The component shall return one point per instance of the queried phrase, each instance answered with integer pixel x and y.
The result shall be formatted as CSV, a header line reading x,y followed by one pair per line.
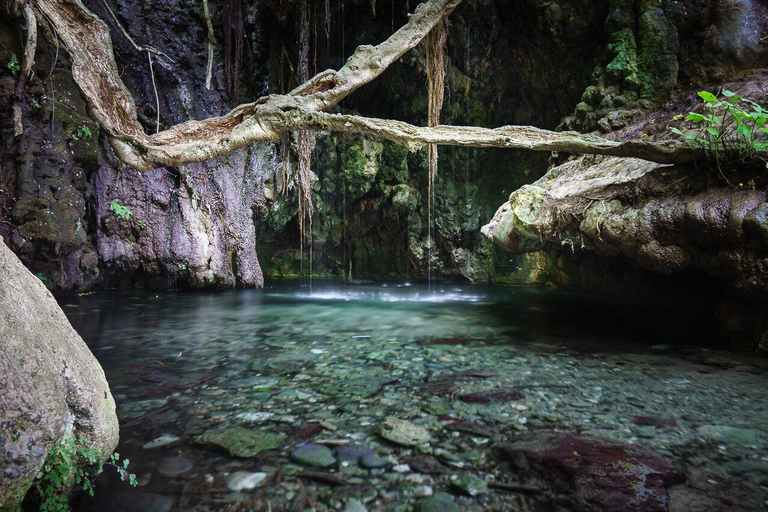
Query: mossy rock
x,y
241,442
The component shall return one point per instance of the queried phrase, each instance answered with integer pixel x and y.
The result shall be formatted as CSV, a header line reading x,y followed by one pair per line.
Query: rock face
x,y
51,386
591,473
76,215
664,219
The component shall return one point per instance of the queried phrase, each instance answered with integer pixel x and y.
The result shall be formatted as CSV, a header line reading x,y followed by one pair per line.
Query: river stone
x,y
163,440
403,432
469,484
241,442
440,502
51,385
373,461
244,480
174,466
729,435
593,473
313,455
355,506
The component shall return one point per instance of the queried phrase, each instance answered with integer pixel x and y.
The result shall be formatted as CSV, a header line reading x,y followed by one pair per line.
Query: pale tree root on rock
x,y
88,42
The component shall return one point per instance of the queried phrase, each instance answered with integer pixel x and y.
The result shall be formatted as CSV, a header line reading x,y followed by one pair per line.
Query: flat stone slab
x,y
241,442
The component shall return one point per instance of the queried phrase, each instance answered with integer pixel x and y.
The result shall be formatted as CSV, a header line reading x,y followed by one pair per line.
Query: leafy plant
x,y
120,210
82,132
61,468
732,127
47,282
13,65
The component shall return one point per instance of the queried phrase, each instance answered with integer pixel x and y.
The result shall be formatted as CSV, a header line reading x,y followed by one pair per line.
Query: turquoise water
x,y
329,364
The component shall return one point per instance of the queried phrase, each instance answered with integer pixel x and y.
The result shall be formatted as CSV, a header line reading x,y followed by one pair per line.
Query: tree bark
x,y
87,39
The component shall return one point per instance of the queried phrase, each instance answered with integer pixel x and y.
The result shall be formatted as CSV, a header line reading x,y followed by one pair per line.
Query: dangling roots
x,y
436,41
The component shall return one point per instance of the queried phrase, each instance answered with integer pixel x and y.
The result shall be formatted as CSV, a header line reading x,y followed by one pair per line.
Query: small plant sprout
x,y
13,65
120,210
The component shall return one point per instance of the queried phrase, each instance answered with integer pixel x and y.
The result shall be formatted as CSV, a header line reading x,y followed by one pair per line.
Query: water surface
x,y
332,362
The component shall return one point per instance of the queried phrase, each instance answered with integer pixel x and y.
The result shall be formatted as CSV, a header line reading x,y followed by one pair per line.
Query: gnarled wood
x,y
94,69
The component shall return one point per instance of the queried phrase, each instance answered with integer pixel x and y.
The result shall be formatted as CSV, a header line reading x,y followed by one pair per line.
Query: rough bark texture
x,y
51,386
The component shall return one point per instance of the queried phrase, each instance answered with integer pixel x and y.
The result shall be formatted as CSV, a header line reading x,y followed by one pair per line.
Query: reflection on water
x,y
331,363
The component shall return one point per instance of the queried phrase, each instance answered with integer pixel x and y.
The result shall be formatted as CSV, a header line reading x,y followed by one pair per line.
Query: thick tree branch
x,y
94,69
510,137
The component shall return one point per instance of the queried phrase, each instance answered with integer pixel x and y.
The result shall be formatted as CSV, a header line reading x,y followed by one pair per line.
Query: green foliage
x,y
64,466
13,65
83,132
47,282
734,127
120,210
182,266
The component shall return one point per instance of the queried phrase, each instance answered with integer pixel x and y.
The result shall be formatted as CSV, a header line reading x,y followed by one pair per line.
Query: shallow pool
x,y
389,396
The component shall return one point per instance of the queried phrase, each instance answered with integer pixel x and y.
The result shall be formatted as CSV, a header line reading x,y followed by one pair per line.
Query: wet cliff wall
x,y
80,219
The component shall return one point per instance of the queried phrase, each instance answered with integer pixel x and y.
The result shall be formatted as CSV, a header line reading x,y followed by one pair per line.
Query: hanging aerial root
x,y
211,44
436,42
27,61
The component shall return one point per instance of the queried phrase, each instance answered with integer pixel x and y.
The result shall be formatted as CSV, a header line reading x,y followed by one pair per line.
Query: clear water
x,y
331,363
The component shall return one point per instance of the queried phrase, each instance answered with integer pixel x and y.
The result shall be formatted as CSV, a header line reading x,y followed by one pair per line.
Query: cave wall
x,y
80,219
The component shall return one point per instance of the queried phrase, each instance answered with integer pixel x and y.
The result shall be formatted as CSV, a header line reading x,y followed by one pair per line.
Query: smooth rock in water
x,y
423,491
403,432
244,480
592,473
440,502
729,435
373,461
51,385
437,407
492,395
469,484
174,466
241,442
315,455
350,453
355,506
161,441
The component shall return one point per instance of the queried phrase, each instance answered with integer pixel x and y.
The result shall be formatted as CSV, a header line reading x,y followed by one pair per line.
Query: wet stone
x,y
373,461
350,453
440,502
244,480
729,435
174,466
163,440
469,484
241,442
354,505
315,455
403,432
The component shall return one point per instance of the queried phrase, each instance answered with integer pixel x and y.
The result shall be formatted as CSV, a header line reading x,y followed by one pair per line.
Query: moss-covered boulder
x,y
51,386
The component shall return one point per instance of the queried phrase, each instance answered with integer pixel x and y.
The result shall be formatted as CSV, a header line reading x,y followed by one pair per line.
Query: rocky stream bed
x,y
394,397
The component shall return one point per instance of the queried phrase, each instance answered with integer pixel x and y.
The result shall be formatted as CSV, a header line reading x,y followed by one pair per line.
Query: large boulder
x,y
662,219
51,385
